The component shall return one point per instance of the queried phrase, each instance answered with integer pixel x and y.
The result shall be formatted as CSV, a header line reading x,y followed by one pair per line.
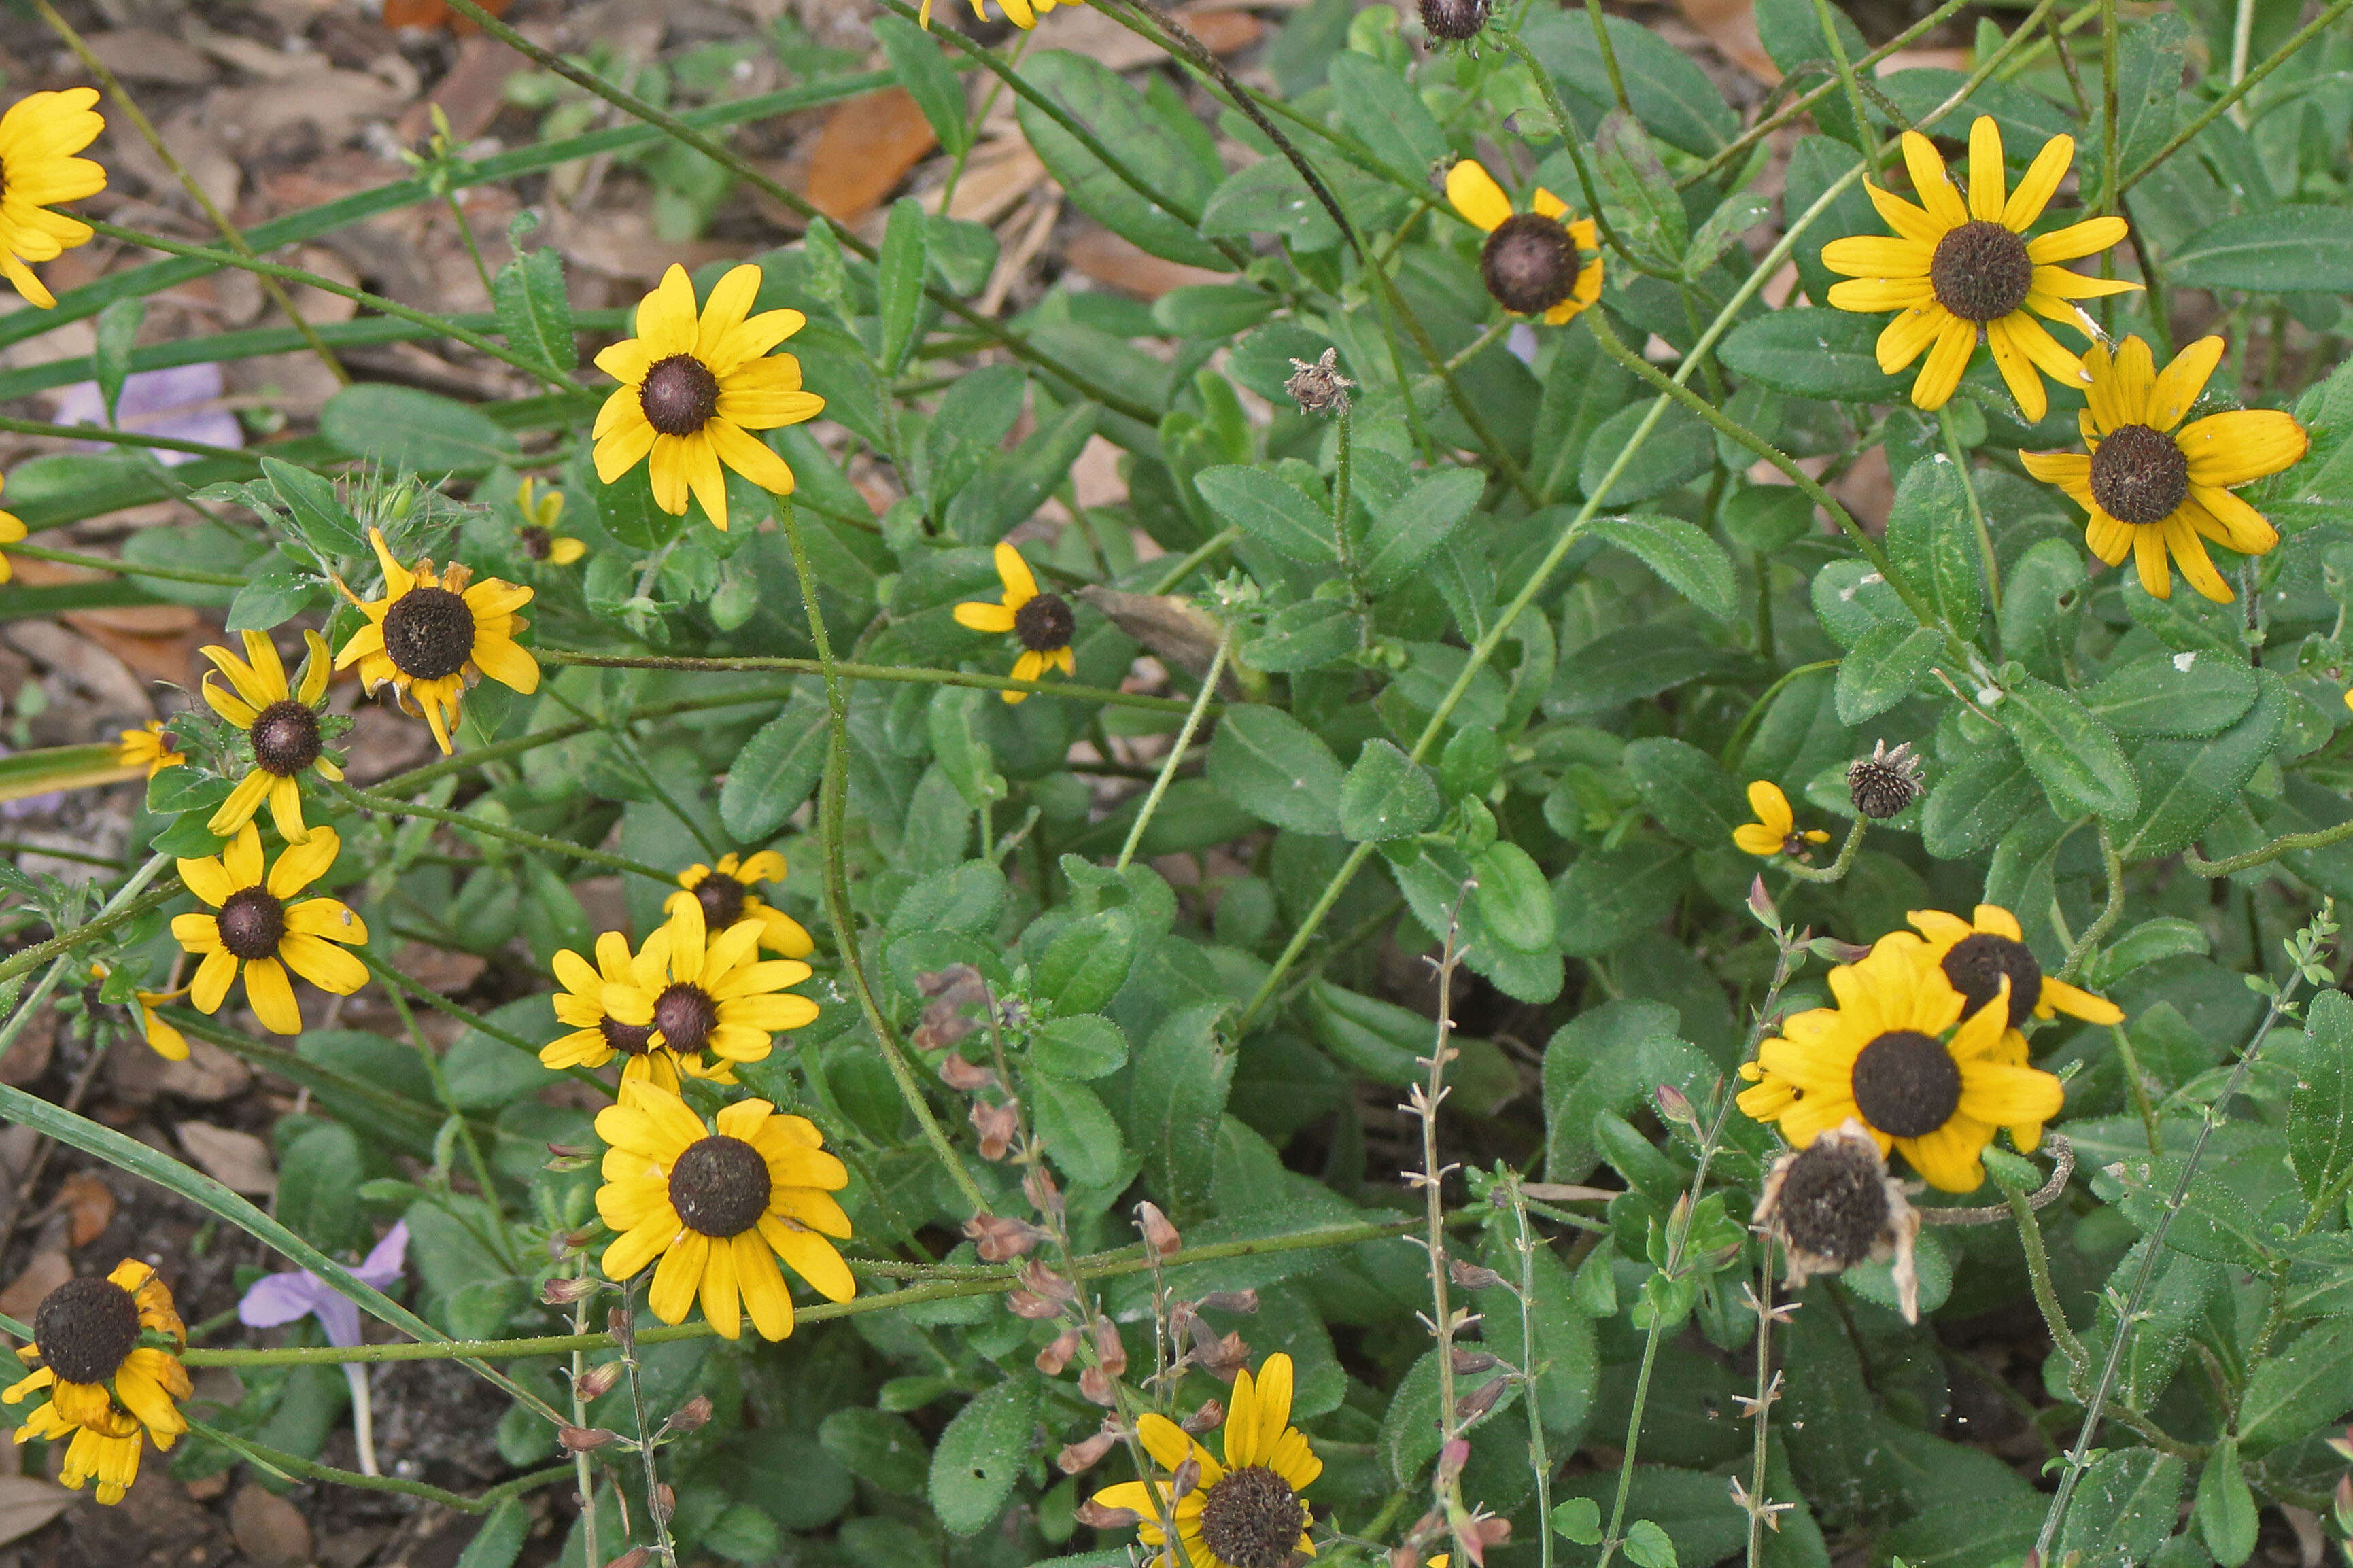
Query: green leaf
x,y
1667,92
2298,1388
1933,544
1811,351
322,519
1685,789
1269,197
318,1184
899,281
2074,755
878,1446
401,427
2124,1509
2188,694
1579,1521
1009,487
1384,113
1610,894
1379,1039
2281,250
1078,1134
1212,310
1679,449
117,330
1276,769
1978,800
271,599
1084,1046
1308,635
982,1453
774,770
952,721
499,1541
1095,96
2186,785
1418,523
921,66
1886,667
2320,1109
1087,963
1269,510
2226,1508
1512,898
533,309
1686,556
1175,1094
1386,795
1648,1545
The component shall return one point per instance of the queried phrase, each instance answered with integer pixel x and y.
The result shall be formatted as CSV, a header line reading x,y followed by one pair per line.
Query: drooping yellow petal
x,y
1940,373
1476,195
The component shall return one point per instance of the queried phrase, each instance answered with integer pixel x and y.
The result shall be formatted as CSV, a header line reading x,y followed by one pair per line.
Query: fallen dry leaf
x,y
865,149
268,1530
88,1204
27,1504
1114,263
237,1160
435,13
1731,26
45,1273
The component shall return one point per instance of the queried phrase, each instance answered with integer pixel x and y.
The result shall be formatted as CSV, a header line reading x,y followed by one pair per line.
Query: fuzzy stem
x,y
1176,753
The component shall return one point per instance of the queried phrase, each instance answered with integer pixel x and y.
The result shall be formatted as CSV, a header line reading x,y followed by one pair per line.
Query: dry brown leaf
x,y
1731,26
27,1504
268,1530
471,95
88,1204
435,13
1114,262
237,1160
45,1273
865,149
27,1055
141,53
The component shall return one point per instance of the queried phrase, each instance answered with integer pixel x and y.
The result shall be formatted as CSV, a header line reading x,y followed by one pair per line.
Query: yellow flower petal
x,y
2040,182
2246,444
1476,195
1986,194
2179,384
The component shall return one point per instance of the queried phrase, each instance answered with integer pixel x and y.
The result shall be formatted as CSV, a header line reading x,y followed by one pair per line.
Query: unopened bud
x,y
1760,906
1110,1350
1084,1454
1210,1416
1058,1352
695,1413
1229,1302
1675,1105
1470,1363
1451,1457
1185,1477
1471,1276
567,1157
1831,951
564,1293
998,1125
1096,1388
597,1381
1481,1400
962,1076
663,1503
585,1439
1159,1236
1000,1240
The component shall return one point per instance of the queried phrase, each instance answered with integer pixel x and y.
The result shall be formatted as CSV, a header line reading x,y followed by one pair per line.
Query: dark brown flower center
x,y
685,1016
252,923
1252,1518
428,633
1833,1201
1044,623
1796,846
2140,475
1907,1084
1980,271
679,395
1453,21
1881,789
537,542
1529,263
721,897
84,1328
627,1039
719,1186
1976,967
285,737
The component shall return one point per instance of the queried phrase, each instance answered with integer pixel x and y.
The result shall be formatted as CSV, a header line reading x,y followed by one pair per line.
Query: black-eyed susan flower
x,y
281,725
2152,489
586,1006
1832,1205
1889,1055
1022,14
693,390
724,891
1245,1510
258,932
1954,271
107,1351
38,138
1042,622
431,635
1775,831
1534,263
12,527
147,747
707,992
541,515
719,1205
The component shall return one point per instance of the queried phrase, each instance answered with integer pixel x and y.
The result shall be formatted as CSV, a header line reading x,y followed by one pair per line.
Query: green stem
x,y
2286,843
127,568
833,799
111,919
122,439
1185,568
1176,753
862,672
293,1466
1845,67
2278,58
1992,564
382,806
2046,1296
1574,140
2110,912
1836,871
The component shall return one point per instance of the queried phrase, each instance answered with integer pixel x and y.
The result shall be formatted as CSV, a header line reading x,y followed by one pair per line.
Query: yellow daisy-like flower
x,y
1043,622
1775,831
1954,269
1533,263
693,389
105,1386
724,892
719,1205
1245,1511
1022,14
280,723
1884,1056
146,747
701,993
12,527
540,515
38,138
2153,489
258,932
586,1006
430,636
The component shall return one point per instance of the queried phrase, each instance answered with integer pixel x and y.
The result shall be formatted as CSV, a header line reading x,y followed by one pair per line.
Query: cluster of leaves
x,y
1515,623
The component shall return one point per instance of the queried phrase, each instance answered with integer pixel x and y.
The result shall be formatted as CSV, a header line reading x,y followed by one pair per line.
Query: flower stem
x,y
859,672
293,1466
378,804
1175,752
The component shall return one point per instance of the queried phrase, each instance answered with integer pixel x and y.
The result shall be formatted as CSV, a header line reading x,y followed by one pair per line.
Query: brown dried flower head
x,y
1833,1205
1319,388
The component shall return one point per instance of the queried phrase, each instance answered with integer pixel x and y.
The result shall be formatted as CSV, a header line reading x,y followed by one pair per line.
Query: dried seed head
x,y
999,1240
1470,1363
1252,1518
1208,1418
998,1125
1885,781
1454,21
962,1076
1058,1352
635,1557
1086,1453
1833,1205
84,1328
585,1439
1229,1301
1482,1399
1320,388
1111,1351
689,1416
1096,1388
1471,1276
1095,1514
1159,1236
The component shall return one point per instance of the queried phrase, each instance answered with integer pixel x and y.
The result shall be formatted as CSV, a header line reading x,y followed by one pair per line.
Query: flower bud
x,y
1158,1234
687,1418
1057,1353
585,1439
598,1380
